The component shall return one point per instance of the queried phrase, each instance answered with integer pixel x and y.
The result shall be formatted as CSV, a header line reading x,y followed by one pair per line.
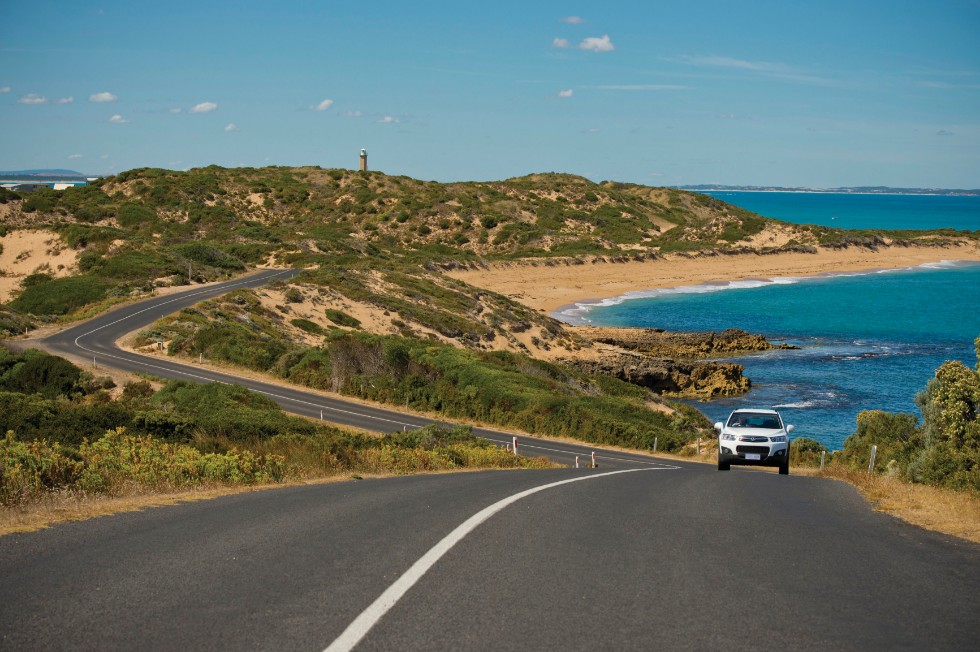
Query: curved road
x,y
627,556
95,341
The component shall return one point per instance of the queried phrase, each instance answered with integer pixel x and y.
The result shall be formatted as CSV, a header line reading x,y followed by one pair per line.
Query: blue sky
x,y
766,93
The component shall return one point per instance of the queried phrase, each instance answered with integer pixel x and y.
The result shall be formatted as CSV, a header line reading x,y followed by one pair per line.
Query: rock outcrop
x,y
659,343
702,380
670,364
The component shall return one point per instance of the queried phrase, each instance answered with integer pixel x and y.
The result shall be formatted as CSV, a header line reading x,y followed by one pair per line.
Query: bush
x,y
806,452
36,372
60,296
341,318
135,215
308,326
944,451
210,255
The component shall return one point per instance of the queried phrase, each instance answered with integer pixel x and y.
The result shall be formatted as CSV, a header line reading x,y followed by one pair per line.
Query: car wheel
x,y
724,466
784,469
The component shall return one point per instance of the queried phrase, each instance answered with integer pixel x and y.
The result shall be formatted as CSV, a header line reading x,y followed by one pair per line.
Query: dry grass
x,y
956,513
58,508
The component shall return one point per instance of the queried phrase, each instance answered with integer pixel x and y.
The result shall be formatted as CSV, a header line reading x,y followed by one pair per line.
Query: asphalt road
x,y
665,558
637,554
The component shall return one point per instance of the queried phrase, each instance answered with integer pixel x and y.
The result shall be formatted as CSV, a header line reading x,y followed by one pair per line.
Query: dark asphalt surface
x,y
678,556
681,558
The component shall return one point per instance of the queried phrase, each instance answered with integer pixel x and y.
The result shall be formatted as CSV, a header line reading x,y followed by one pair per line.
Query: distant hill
x,y
856,190
35,174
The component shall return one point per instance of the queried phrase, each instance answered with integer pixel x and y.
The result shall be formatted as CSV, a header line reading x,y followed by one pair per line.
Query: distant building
x,y
363,160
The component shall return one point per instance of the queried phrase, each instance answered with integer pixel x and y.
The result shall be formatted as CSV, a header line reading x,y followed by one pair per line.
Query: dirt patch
x,y
32,251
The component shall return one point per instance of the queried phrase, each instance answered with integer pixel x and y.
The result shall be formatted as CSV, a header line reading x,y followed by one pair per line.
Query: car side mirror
x,y
789,429
719,426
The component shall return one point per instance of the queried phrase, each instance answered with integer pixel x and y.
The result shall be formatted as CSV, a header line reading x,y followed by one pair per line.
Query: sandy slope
x,y
28,251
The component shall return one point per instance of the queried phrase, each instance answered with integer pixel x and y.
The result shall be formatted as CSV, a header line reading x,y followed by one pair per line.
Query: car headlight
x,y
778,439
727,436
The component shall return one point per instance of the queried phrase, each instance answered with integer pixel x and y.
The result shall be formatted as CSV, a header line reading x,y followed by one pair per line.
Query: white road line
x,y
361,625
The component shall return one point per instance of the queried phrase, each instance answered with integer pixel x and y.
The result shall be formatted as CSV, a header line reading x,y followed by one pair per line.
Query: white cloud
x,y
323,106
65,100
74,156
102,97
388,120
4,89
573,20
33,98
597,44
352,114
231,127
561,43
118,120
565,93
204,107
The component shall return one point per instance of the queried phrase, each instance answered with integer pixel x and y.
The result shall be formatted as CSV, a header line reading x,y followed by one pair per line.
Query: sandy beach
x,y
550,288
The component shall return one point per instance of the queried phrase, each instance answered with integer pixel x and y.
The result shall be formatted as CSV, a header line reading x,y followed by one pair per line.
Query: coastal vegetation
x,y
377,314
944,450
500,388
65,433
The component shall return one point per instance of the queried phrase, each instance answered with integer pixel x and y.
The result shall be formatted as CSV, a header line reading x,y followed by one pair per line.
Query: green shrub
x,y
341,318
208,254
944,451
806,452
60,296
309,326
36,372
135,215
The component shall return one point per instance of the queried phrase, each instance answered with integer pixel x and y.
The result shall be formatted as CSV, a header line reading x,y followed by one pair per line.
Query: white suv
x,y
754,436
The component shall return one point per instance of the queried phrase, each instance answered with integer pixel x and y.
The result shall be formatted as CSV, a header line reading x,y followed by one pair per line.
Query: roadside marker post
x,y
823,457
515,446
593,459
576,461
655,444
699,445
871,464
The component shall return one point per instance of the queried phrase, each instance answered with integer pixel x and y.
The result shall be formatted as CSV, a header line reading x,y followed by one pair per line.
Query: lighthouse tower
x,y
363,160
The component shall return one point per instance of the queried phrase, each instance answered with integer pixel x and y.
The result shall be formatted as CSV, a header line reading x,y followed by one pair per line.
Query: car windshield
x,y
754,420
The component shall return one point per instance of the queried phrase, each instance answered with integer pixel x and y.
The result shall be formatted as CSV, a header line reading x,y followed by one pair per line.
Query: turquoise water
x,y
849,211
867,341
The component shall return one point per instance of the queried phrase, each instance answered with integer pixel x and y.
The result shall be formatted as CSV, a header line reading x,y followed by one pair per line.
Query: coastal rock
x,y
701,380
659,343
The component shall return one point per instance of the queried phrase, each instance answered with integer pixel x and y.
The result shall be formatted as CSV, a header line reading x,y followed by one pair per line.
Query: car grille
x,y
753,438
760,450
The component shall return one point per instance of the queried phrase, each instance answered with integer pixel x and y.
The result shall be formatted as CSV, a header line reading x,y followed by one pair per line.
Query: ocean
x,y
866,340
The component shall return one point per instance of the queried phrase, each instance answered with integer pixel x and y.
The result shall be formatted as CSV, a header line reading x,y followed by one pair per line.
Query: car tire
x,y
724,466
784,469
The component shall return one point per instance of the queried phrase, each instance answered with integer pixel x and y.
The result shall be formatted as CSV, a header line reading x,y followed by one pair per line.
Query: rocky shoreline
x,y
668,363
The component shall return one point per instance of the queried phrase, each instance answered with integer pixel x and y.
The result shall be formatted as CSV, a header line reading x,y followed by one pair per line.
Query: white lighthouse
x,y
363,160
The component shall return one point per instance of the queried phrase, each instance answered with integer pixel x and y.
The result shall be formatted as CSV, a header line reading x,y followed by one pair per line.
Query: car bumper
x,y
753,454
